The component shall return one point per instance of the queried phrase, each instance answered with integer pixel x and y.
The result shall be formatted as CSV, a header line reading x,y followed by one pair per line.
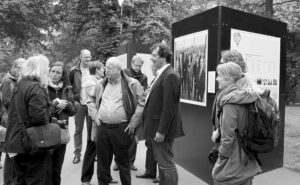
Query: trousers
x,y
112,140
82,113
163,154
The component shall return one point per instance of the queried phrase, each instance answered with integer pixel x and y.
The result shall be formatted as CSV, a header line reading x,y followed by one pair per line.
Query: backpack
x,y
262,132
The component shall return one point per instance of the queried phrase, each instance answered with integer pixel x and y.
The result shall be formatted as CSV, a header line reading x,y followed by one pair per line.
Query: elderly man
x,y
135,72
161,117
118,102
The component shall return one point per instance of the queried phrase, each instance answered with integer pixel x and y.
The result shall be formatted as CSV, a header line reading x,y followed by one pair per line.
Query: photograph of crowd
x,y
190,61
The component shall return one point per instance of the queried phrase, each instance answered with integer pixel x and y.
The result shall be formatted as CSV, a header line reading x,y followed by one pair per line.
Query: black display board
x,y
191,150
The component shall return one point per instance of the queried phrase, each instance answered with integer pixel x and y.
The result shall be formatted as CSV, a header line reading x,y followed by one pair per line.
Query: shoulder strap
x,y
17,110
251,155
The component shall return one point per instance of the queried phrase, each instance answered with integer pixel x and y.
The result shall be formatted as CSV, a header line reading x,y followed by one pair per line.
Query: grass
x,y
292,138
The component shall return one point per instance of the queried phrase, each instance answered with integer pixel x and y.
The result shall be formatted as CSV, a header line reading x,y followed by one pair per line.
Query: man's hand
x,y
159,137
136,138
97,122
130,128
215,135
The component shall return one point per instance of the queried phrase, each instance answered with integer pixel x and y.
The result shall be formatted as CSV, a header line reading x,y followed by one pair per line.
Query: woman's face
x,y
100,72
56,74
223,81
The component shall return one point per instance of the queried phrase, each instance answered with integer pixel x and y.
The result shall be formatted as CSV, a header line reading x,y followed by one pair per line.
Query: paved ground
x,y
71,173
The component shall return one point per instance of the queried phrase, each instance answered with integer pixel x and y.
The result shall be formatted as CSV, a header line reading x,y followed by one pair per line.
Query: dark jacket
x,y
8,84
139,76
34,108
65,93
75,81
162,113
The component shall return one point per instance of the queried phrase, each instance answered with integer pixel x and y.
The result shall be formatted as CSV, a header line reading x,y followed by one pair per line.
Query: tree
x,y
27,21
26,28
89,24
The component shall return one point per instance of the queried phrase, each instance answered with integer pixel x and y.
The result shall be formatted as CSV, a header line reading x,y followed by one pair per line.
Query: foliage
x,y
61,28
89,24
26,27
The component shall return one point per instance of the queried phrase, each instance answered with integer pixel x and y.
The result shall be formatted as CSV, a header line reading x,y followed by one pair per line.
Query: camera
x,y
62,123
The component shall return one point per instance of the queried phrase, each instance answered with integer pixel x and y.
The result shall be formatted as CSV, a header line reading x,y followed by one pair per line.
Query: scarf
x,y
136,75
54,86
221,99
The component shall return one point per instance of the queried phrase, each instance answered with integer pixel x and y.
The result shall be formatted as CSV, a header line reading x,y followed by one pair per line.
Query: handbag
x,y
64,129
40,137
45,136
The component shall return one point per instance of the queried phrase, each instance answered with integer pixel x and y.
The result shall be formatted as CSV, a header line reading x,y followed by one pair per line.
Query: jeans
x,y
163,154
82,112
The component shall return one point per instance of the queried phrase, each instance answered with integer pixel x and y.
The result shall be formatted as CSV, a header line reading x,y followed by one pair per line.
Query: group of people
x,y
119,109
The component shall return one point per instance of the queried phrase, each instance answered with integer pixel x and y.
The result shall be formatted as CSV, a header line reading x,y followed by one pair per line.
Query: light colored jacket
x,y
236,168
94,93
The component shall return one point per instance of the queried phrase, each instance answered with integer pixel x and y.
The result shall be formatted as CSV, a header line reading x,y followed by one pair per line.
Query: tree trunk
x,y
269,9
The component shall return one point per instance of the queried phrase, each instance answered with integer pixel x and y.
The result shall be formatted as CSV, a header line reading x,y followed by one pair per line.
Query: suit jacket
x,y
162,113
201,84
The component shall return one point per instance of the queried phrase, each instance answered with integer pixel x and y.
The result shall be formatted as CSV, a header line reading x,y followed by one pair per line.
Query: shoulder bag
x,y
40,137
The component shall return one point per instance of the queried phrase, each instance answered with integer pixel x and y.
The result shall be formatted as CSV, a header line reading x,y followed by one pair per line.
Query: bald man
x,y
119,102
135,72
78,74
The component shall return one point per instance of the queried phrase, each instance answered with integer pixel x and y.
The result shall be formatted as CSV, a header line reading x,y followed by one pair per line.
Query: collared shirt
x,y
159,72
112,110
86,77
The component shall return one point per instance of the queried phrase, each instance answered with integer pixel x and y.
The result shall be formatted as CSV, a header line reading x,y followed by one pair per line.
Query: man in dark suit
x,y
201,81
161,116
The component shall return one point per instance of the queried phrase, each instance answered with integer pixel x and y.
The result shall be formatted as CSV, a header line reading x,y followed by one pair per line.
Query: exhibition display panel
x,y
197,45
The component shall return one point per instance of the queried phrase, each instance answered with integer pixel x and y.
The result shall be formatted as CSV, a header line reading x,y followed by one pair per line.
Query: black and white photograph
x,y
190,61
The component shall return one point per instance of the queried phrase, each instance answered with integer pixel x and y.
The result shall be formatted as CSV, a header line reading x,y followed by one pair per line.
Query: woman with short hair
x,y
233,166
30,102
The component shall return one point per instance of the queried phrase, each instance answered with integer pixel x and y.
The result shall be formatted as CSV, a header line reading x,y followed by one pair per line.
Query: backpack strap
x,y
251,155
266,93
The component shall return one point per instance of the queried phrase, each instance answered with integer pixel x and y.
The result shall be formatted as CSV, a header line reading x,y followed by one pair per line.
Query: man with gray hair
x,y
135,72
119,103
8,84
